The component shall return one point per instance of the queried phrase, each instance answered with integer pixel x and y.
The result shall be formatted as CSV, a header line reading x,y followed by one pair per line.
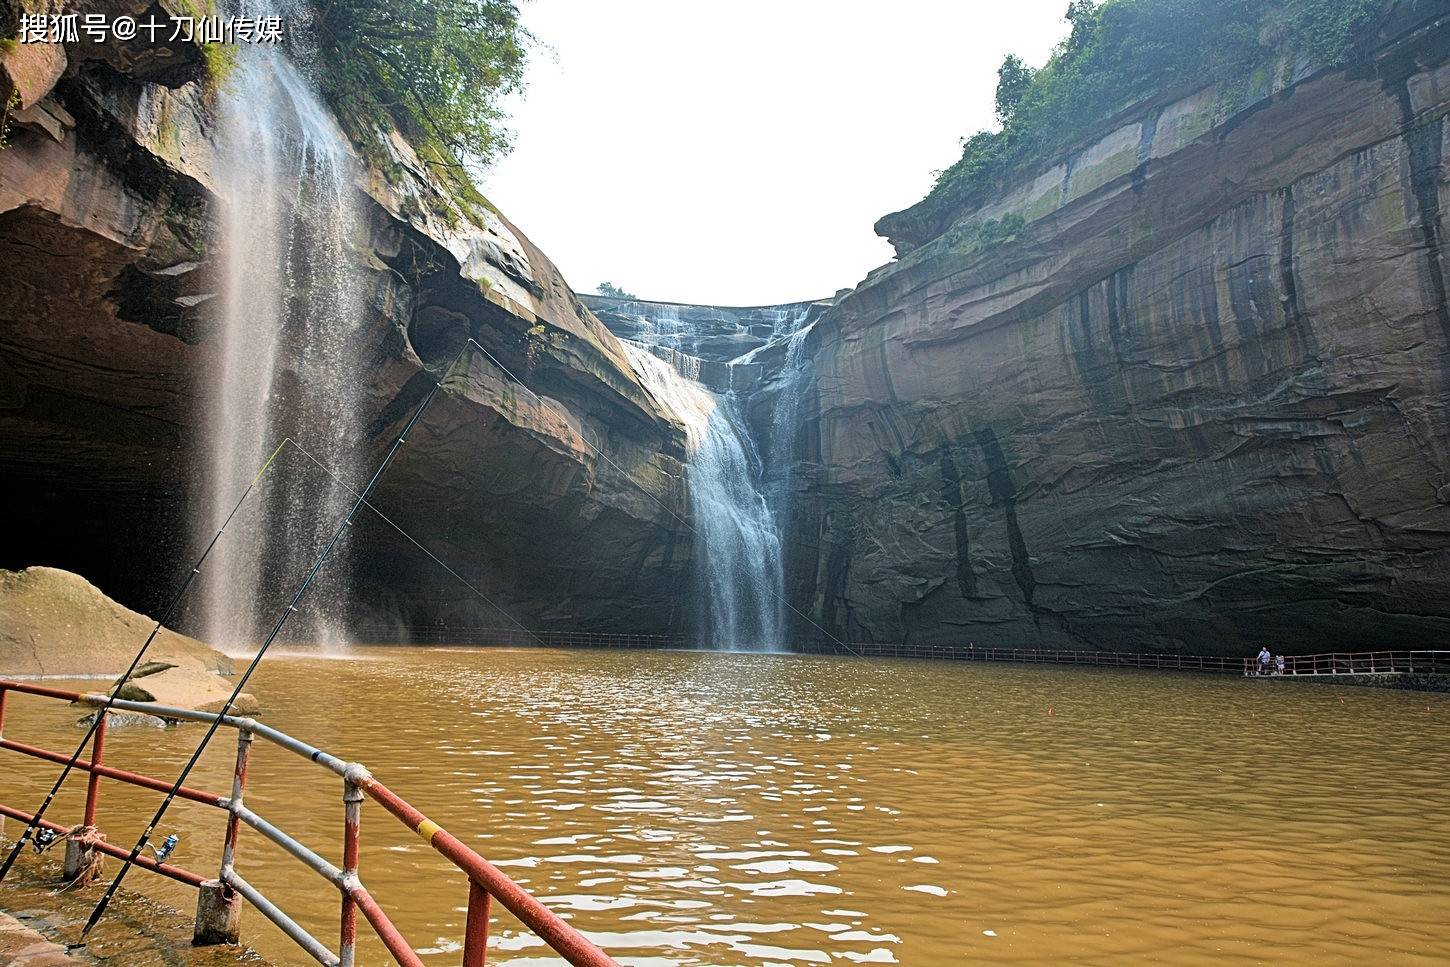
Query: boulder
x,y
55,624
187,685
124,720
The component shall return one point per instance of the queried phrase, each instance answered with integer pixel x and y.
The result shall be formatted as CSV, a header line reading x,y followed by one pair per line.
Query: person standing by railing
x,y
1278,664
1264,658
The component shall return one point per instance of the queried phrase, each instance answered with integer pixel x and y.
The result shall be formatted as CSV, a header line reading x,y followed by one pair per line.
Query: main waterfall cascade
x,y
739,547
288,353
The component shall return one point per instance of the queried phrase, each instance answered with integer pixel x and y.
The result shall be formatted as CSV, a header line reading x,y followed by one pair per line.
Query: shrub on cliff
x,y
434,68
1117,53
614,291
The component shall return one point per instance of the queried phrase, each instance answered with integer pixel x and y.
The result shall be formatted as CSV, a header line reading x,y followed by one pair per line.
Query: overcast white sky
x,y
738,153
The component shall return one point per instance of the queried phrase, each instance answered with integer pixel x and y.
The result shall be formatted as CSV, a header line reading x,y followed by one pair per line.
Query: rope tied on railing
x,y
86,837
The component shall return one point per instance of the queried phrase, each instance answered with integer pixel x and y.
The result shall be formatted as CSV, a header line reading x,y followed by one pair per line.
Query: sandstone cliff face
x,y
1198,401
107,341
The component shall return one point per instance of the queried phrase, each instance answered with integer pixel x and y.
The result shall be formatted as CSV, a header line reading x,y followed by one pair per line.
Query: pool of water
x,y
699,808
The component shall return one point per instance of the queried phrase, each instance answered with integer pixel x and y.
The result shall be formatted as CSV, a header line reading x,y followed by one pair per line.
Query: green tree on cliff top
x,y
434,68
614,291
1121,51
1013,80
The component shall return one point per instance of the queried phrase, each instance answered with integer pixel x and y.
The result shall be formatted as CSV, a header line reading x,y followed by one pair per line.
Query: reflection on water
x,y
695,808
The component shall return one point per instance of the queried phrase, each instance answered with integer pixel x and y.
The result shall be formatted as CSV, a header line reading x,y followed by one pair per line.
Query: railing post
x,y
352,819
475,930
218,907
93,786
4,693
239,788
79,855
218,915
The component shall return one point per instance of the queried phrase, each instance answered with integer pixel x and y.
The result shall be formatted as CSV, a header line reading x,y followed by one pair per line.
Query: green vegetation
x,y
12,104
1014,80
980,235
609,289
434,69
1119,52
221,60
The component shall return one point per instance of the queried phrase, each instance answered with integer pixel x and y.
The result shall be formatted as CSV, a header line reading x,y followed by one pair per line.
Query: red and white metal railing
x,y
486,881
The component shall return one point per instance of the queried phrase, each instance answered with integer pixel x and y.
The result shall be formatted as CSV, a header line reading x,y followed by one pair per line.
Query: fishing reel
x,y
167,847
43,839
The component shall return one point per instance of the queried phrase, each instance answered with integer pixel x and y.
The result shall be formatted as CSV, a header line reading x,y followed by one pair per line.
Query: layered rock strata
x,y
1197,402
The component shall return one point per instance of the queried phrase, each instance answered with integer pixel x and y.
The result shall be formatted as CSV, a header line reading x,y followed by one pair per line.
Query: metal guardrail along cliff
x,y
219,899
1424,661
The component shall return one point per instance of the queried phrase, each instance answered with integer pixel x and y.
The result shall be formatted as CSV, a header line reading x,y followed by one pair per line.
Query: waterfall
x,y
784,432
737,545
288,349
661,327
785,419
787,320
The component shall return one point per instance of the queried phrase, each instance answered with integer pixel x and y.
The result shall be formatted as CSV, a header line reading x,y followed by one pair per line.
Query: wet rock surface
x,y
1198,405
715,334
24,946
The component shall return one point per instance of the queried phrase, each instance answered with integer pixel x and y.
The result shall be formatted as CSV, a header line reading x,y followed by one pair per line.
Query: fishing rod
x,y
436,559
34,822
287,612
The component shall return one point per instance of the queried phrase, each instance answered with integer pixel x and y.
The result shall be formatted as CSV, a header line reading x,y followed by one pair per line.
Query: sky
x,y
738,153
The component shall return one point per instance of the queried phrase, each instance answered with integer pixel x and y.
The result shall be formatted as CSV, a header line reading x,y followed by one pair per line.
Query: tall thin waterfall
x,y
784,433
737,546
289,348
785,419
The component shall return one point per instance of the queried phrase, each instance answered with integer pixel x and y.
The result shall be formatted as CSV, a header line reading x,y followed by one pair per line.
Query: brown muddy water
x,y
699,808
